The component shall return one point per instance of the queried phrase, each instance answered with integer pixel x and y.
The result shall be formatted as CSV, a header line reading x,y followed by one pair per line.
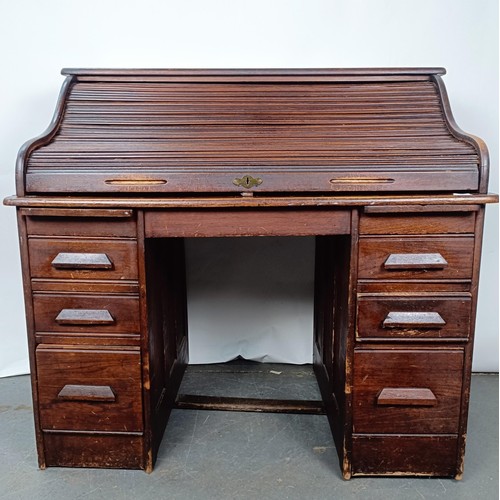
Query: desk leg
x,y
165,343
335,276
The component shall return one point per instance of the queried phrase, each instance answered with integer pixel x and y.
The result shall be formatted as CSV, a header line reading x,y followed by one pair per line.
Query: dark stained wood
x,y
164,318
120,369
83,286
76,449
30,330
407,203
78,212
437,370
413,317
81,224
462,433
44,138
416,258
89,338
192,402
121,254
246,223
415,223
197,131
82,313
404,455
419,209
258,74
370,161
414,287
477,142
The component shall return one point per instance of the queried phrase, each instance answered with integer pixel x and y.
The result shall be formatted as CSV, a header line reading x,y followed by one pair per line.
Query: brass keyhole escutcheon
x,y
247,181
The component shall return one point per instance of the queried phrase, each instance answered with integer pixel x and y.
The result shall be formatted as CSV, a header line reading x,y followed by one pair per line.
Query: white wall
x,y
38,38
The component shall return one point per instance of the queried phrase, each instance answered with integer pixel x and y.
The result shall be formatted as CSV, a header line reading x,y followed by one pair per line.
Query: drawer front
x,y
89,390
86,313
413,317
108,227
406,224
83,259
400,455
407,391
416,258
122,451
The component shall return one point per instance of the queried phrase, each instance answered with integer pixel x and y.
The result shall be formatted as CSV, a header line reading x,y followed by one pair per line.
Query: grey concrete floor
x,y
226,455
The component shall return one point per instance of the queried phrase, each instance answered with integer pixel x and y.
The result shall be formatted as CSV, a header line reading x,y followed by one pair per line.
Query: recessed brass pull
x,y
247,181
362,180
135,182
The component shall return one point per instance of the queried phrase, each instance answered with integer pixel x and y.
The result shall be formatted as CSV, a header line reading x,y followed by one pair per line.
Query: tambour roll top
x,y
260,131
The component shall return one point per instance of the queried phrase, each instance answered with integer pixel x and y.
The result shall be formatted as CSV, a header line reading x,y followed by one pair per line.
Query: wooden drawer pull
x,y
413,320
84,317
82,261
406,396
102,393
401,261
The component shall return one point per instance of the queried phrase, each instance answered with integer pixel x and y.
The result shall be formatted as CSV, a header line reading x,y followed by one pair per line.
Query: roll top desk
x,y
369,161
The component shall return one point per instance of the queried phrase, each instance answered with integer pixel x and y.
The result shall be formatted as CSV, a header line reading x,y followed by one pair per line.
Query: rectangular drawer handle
x,y
412,319
406,396
401,261
84,317
82,261
102,393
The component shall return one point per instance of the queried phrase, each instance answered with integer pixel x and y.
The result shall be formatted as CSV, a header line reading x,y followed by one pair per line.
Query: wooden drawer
x,y
89,389
81,222
413,317
405,455
86,313
408,223
416,258
415,391
122,451
83,259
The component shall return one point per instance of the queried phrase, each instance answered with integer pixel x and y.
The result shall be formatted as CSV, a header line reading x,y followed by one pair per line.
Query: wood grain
x,y
370,161
416,223
194,402
194,131
437,370
119,369
85,314
203,223
404,455
456,251
122,255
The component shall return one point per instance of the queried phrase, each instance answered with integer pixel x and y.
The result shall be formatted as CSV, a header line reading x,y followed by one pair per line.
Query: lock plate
x,y
247,181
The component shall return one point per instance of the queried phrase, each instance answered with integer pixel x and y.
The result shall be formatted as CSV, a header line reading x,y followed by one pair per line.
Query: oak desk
x,y
370,162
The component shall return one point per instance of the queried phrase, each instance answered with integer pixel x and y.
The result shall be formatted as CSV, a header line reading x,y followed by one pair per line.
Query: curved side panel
x,y
44,138
478,143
